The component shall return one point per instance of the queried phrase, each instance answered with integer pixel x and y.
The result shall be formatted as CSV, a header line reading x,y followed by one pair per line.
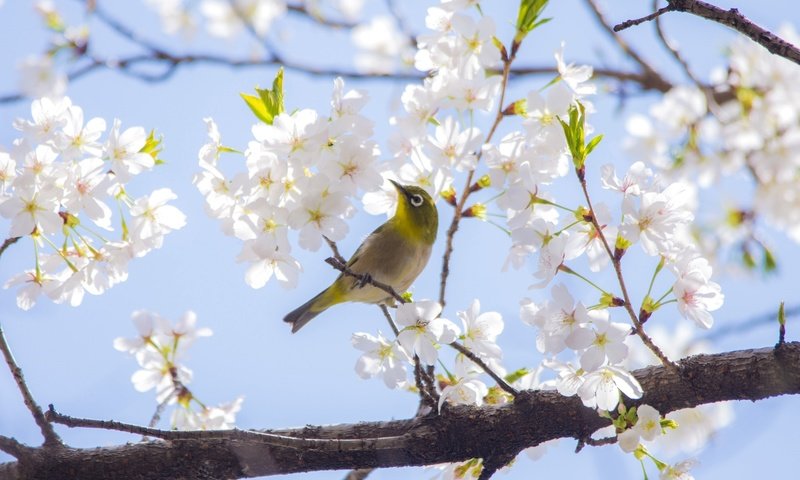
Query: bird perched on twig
x,y
394,254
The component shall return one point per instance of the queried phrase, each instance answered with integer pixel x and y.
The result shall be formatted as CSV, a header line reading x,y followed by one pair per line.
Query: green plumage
x,y
394,254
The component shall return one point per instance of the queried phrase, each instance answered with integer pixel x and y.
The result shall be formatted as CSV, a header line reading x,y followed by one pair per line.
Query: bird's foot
x,y
365,279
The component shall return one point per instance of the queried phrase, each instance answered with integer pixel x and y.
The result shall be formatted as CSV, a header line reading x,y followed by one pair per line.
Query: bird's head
x,y
416,216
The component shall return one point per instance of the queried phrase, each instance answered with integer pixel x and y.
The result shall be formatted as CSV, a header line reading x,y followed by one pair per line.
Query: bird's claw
x,y
364,280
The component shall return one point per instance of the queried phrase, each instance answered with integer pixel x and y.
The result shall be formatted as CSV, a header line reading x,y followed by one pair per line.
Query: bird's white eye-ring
x,y
416,200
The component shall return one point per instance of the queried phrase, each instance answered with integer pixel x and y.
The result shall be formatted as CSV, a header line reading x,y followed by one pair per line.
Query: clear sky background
x,y
308,378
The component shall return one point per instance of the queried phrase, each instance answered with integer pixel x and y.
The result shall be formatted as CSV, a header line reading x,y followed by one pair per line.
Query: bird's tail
x,y
307,311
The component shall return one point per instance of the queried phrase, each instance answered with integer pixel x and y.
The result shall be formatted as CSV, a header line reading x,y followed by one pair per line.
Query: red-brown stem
x,y
457,214
628,306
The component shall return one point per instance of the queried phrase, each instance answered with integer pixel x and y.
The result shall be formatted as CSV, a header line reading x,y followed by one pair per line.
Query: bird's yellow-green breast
x,y
394,254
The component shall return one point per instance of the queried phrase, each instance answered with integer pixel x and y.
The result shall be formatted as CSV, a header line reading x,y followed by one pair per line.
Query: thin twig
x,y
7,243
748,325
159,411
476,359
51,438
251,29
359,474
623,45
426,398
329,444
675,53
391,5
172,62
636,21
582,442
335,250
459,208
730,18
364,278
628,305
389,319
302,10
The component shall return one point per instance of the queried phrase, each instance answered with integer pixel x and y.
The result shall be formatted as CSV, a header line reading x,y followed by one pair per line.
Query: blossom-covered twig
x,y
459,207
50,436
617,263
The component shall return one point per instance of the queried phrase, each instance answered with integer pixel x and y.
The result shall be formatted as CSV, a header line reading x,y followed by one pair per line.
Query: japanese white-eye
x,y
394,254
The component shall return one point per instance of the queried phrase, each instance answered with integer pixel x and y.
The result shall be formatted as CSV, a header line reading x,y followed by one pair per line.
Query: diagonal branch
x,y
51,438
459,434
478,361
730,18
623,45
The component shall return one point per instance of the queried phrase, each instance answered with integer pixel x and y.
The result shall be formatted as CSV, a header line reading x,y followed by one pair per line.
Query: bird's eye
x,y
416,200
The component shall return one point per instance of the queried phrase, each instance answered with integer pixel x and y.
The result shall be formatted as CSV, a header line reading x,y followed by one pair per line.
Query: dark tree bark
x,y
496,434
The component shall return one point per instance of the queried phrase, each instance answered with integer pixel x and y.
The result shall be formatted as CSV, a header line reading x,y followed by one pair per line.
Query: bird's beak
x,y
400,188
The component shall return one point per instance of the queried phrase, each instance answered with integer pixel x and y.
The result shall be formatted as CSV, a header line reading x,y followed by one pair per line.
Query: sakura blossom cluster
x,y
422,331
60,183
160,349
746,128
302,172
459,49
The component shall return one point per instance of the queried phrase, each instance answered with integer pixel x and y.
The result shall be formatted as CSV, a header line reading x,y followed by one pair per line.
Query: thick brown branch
x,y
460,433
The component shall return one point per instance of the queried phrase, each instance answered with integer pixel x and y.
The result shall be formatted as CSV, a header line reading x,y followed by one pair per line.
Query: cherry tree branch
x,y
674,52
50,436
623,45
7,243
13,448
302,9
459,434
366,278
459,207
478,361
730,18
358,474
617,263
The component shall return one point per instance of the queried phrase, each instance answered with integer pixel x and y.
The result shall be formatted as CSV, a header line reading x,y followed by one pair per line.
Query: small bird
x,y
394,254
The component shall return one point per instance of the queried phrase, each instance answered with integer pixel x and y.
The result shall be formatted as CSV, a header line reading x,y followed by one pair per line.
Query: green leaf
x,y
593,143
152,147
257,106
224,149
516,375
770,264
269,103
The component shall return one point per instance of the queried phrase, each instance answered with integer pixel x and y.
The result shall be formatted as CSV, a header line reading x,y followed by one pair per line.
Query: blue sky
x,y
308,378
